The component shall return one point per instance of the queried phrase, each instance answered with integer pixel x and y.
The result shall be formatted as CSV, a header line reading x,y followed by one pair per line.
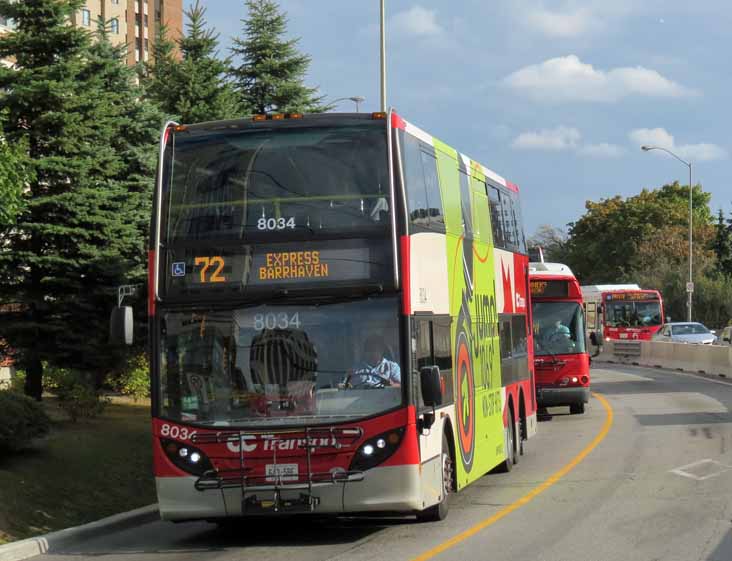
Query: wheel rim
x,y
446,475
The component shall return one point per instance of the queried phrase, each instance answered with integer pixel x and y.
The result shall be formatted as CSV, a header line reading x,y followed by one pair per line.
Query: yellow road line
x,y
536,491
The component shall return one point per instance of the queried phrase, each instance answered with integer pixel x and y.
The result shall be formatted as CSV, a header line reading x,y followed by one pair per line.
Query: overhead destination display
x,y
297,264
631,296
549,288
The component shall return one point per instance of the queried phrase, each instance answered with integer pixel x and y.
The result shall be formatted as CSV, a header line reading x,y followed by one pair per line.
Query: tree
x,y
603,243
195,88
75,106
13,180
157,74
722,245
552,242
271,75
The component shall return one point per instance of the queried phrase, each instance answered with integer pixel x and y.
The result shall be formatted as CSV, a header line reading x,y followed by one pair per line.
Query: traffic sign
x,y
689,287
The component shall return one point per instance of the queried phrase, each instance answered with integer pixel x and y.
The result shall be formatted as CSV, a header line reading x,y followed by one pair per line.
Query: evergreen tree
x,y
158,72
197,87
13,181
272,71
75,106
722,245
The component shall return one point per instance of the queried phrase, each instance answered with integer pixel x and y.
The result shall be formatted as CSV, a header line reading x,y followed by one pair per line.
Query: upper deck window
x,y
264,183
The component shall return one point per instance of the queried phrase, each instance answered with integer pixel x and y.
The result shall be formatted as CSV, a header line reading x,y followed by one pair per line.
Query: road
x,y
657,487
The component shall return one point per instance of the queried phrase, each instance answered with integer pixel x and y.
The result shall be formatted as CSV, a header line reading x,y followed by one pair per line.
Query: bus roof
x,y
597,289
550,270
399,122
334,119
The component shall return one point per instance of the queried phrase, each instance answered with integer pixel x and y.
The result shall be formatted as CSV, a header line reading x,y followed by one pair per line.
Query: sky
x,y
556,96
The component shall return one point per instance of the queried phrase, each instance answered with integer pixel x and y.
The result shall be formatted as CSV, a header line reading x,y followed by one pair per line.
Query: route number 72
x,y
216,263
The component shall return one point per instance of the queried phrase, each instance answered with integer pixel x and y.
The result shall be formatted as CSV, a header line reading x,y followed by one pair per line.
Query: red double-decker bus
x,y
339,319
623,312
561,360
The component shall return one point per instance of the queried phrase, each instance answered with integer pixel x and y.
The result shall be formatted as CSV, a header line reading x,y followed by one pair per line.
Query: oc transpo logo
x,y
466,402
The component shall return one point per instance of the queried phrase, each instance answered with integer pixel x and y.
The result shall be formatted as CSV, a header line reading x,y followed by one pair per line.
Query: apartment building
x,y
132,22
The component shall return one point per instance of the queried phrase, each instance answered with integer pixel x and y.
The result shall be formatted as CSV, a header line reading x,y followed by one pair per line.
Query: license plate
x,y
281,472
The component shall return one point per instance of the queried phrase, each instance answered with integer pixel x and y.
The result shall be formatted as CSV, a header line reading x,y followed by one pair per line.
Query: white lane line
x,y
620,366
706,469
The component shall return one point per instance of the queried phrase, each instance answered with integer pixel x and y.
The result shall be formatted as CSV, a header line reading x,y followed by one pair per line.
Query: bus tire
x,y
577,409
510,437
439,511
520,442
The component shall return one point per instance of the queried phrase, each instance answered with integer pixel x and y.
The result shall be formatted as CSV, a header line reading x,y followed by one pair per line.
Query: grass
x,y
82,472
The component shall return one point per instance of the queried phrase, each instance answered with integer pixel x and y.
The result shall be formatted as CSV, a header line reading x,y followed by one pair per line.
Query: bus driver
x,y
374,370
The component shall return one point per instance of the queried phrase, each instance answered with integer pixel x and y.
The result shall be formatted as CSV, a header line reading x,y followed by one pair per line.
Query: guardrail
x,y
706,359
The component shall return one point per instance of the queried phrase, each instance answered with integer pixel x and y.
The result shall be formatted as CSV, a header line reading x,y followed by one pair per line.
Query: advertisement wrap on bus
x,y
623,312
338,319
561,358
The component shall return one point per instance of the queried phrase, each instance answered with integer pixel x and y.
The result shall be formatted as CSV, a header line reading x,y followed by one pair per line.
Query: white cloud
x,y
570,18
569,79
602,150
557,139
563,138
560,24
702,152
416,21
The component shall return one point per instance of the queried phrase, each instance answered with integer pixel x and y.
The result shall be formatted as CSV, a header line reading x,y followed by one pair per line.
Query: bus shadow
x,y
544,415
202,537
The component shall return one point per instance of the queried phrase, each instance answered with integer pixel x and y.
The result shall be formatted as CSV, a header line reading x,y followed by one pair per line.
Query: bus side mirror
x,y
121,326
429,377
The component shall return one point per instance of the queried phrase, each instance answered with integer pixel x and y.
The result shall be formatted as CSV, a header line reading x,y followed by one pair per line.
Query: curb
x,y
24,549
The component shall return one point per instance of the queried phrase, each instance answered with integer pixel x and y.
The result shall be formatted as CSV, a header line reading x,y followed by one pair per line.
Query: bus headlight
x,y
377,450
188,458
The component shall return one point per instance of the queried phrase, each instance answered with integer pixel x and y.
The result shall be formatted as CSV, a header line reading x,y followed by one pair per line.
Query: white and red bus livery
x,y
338,318
623,311
561,360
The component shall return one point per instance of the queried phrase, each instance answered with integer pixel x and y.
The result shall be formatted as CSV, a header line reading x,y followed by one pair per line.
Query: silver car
x,y
685,332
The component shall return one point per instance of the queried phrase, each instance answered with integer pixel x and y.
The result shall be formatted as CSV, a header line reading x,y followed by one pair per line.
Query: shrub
x,y
79,399
21,420
135,378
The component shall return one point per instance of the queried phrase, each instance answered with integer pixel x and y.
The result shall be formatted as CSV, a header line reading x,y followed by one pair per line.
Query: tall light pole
x,y
383,56
357,99
690,284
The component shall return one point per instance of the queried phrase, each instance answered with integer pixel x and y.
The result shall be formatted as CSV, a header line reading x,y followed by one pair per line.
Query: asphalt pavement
x,y
647,478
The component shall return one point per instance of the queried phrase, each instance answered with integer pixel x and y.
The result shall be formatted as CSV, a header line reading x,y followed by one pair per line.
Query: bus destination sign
x,y
549,288
631,296
276,265
287,265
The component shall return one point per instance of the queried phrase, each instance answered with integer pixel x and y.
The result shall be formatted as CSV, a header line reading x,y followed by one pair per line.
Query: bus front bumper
x,y
383,489
553,396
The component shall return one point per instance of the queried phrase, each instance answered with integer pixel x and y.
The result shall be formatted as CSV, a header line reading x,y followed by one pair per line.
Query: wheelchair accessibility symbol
x,y
179,269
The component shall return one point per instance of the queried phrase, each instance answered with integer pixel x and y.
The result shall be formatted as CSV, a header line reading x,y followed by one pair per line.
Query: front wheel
x,y
439,511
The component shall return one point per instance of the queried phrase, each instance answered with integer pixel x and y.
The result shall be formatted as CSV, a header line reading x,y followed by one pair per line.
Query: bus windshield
x,y
632,314
281,364
270,183
558,328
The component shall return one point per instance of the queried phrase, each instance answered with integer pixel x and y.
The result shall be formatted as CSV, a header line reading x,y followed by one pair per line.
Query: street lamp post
x,y
383,56
357,99
690,285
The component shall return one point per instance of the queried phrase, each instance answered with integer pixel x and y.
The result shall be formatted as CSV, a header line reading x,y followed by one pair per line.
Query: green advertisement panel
x,y
479,440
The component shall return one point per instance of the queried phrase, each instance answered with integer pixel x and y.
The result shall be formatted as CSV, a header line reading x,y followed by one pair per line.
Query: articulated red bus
x,y
561,360
338,317
623,312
